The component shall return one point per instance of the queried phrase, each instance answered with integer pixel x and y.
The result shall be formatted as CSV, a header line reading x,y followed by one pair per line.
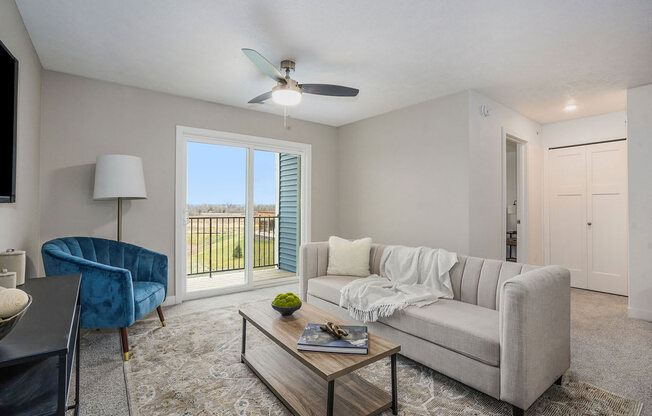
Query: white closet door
x,y
567,212
607,217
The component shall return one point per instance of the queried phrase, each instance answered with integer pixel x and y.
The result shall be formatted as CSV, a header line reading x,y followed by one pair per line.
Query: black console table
x,y
36,358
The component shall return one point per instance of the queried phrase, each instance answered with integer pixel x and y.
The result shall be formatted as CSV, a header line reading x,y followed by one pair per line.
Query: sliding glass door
x,y
242,214
216,223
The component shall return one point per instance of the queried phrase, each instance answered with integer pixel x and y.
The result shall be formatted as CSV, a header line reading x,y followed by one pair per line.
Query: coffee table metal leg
x,y
331,396
394,386
244,337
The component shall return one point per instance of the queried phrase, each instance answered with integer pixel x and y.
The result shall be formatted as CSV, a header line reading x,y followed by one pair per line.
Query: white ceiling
x,y
533,56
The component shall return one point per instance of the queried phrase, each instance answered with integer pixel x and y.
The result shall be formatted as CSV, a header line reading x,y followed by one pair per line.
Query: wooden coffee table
x,y
306,381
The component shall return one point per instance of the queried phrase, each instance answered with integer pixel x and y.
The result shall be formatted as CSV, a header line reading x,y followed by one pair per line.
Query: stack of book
x,y
315,339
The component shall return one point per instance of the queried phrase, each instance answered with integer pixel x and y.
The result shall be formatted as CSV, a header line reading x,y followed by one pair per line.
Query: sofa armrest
x,y
107,292
534,324
314,263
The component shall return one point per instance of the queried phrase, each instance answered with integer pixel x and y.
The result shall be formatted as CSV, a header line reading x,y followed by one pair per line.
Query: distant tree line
x,y
226,208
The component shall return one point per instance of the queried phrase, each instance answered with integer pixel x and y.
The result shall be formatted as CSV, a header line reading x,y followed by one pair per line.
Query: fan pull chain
x,y
285,116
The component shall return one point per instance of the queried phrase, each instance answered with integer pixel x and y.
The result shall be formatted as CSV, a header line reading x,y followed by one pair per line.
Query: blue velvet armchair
x,y
121,282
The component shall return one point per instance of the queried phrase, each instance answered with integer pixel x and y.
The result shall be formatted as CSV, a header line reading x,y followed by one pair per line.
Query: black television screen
x,y
8,102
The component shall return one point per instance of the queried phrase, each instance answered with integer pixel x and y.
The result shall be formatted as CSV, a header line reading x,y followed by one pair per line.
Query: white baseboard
x,y
639,314
170,300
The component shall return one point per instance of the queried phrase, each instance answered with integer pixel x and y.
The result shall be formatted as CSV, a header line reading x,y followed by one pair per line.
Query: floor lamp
x,y
119,177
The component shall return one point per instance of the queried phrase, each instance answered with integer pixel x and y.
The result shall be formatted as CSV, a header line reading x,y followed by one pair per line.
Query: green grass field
x,y
201,259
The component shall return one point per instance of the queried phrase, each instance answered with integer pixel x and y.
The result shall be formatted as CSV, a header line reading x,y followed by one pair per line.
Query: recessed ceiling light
x,y
571,107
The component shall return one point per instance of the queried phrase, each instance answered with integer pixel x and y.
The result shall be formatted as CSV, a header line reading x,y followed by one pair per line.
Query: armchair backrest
x,y
108,252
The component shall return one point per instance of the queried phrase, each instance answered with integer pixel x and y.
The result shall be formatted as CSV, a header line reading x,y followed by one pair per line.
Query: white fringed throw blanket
x,y
409,276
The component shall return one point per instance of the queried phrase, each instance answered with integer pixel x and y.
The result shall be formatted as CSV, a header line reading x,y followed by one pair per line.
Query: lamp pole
x,y
119,219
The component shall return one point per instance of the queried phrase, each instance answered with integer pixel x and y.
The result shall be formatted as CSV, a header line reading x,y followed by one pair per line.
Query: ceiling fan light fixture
x,y
288,91
286,94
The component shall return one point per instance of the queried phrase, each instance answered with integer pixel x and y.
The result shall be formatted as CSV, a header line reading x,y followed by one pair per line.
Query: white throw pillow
x,y
348,258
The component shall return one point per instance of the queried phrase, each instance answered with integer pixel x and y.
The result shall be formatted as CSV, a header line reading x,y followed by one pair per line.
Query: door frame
x,y
184,134
522,246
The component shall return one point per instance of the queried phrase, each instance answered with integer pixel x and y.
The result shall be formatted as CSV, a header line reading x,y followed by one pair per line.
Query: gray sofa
x,y
506,332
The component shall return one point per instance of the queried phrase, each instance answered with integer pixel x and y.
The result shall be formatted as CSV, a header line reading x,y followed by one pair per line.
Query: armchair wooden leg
x,y
160,315
125,343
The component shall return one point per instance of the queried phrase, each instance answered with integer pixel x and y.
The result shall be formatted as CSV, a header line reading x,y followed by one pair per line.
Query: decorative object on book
x,y
286,303
14,261
8,323
334,329
7,279
315,338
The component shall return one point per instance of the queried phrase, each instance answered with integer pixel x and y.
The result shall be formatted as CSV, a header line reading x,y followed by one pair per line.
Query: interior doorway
x,y
511,202
514,212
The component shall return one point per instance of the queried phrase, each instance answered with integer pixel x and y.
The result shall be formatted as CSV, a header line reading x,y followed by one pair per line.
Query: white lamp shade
x,y
119,176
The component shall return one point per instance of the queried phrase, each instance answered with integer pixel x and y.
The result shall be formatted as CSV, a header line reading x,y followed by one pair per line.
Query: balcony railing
x,y
217,244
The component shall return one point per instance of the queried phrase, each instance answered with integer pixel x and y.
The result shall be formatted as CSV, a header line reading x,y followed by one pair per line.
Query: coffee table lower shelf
x,y
304,393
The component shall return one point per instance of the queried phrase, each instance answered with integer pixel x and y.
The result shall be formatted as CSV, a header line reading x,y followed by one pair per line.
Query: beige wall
x,y
431,174
487,237
404,176
19,221
639,166
82,118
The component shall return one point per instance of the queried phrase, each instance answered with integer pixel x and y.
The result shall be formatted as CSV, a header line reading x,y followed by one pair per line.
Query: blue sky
x,y
216,175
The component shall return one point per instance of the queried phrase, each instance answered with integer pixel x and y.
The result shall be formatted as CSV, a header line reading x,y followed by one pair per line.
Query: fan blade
x,y
261,98
328,89
264,65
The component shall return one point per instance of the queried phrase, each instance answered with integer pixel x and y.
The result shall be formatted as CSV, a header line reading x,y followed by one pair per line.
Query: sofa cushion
x,y
328,287
349,258
465,328
468,329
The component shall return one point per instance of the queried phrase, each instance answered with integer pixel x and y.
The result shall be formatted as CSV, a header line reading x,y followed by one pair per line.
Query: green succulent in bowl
x,y
286,300
286,303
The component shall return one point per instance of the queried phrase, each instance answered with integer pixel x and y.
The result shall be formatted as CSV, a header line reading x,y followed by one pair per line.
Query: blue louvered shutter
x,y
288,211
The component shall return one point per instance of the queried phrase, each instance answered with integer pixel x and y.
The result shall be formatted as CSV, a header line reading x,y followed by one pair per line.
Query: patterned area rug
x,y
192,367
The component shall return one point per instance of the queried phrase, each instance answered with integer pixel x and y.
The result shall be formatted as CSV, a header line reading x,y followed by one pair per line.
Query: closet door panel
x,y
567,212
607,216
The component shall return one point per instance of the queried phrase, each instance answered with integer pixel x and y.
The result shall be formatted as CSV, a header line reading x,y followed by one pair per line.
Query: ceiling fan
x,y
289,91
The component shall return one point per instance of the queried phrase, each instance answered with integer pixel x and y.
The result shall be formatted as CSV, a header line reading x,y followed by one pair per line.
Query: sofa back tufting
x,y
475,280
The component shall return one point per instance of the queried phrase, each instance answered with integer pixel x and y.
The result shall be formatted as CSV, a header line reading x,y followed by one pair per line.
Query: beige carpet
x,y
192,367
